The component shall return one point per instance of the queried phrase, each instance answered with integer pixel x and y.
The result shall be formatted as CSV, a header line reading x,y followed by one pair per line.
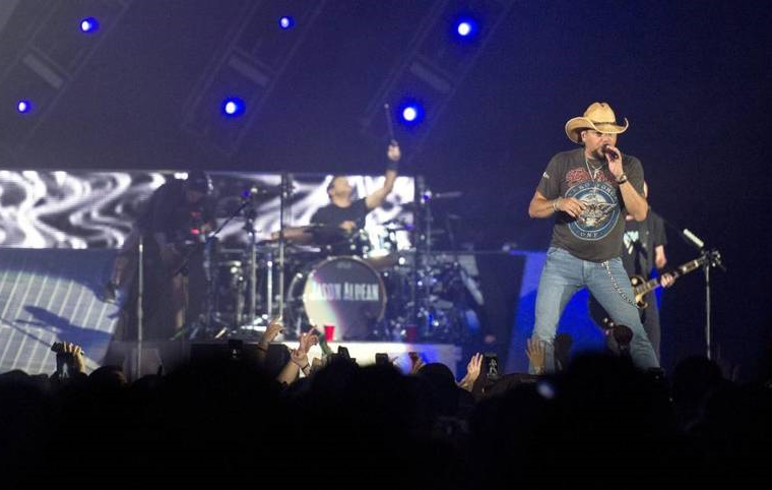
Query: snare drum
x,y
342,291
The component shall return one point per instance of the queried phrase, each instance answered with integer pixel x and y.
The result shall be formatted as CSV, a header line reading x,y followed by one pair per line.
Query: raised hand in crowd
x,y
274,328
537,355
69,355
472,372
299,359
416,362
317,363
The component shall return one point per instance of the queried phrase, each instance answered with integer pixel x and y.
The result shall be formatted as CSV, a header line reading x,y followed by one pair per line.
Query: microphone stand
x,y
249,227
422,263
140,307
710,258
284,197
247,201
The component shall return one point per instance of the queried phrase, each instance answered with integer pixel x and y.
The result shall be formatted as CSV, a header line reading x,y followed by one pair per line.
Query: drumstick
x,y
389,124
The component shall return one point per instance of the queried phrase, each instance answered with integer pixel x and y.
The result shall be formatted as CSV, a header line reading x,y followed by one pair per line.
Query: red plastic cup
x,y
329,332
411,333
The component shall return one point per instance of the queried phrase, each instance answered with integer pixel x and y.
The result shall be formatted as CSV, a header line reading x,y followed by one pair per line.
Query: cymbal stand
x,y
284,198
421,266
249,227
182,269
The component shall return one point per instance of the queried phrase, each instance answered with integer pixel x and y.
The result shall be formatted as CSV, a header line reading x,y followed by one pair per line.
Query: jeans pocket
x,y
552,251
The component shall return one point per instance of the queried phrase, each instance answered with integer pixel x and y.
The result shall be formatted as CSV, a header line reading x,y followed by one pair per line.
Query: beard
x,y
598,154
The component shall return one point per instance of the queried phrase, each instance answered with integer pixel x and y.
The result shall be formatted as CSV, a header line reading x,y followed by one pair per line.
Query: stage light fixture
x,y
466,28
286,22
233,107
89,25
24,106
411,113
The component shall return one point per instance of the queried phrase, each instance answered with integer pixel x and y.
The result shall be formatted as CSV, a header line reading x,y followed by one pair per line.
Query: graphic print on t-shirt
x,y
630,238
600,197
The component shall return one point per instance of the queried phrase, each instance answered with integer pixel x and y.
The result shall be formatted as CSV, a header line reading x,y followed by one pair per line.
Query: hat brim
x,y
575,125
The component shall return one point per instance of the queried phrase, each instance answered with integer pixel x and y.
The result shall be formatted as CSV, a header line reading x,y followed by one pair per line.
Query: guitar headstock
x,y
713,258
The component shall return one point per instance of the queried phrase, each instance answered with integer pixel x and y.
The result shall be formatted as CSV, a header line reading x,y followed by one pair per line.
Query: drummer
x,y
347,214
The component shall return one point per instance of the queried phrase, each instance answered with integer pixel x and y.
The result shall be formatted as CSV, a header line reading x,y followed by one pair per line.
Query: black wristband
x,y
392,165
259,347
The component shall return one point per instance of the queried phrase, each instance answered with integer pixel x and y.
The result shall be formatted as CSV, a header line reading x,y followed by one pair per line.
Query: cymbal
x,y
300,235
315,235
272,246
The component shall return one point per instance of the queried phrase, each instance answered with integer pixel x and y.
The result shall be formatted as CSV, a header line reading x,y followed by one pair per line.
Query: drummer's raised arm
x,y
376,198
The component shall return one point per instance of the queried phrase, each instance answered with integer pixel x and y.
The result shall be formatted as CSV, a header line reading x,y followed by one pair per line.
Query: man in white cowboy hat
x,y
589,191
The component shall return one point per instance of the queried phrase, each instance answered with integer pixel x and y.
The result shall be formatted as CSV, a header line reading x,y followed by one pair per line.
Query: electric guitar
x,y
641,287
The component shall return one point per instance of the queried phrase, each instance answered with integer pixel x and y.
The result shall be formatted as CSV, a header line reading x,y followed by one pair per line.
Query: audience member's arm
x,y
472,373
316,364
416,363
537,355
270,333
298,359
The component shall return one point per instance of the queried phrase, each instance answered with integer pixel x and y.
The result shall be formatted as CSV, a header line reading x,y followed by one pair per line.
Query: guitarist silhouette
x,y
643,250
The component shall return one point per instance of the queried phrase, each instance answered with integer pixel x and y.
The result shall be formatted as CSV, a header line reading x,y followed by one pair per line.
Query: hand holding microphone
x,y
614,159
611,152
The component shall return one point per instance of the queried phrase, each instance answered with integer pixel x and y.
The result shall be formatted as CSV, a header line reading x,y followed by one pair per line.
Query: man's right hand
x,y
571,205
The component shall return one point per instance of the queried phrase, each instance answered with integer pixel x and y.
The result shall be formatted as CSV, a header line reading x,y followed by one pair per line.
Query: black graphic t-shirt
x,y
596,235
639,243
332,215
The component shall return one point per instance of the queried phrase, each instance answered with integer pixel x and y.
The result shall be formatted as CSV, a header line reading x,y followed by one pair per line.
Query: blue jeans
x,y
562,276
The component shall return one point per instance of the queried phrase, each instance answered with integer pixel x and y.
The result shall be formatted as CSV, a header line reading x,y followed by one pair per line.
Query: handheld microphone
x,y
608,151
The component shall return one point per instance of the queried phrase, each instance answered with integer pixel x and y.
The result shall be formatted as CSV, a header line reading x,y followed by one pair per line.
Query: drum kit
x,y
361,283
332,278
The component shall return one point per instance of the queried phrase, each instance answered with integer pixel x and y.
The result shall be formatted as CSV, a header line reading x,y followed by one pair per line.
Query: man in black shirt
x,y
173,226
589,191
348,215
643,248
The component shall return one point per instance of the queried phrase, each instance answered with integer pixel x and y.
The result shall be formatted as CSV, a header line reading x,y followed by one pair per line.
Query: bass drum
x,y
345,292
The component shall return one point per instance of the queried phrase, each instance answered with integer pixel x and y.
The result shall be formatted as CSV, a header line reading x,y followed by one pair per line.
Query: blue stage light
x,y
465,28
24,106
233,107
286,22
411,112
89,25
